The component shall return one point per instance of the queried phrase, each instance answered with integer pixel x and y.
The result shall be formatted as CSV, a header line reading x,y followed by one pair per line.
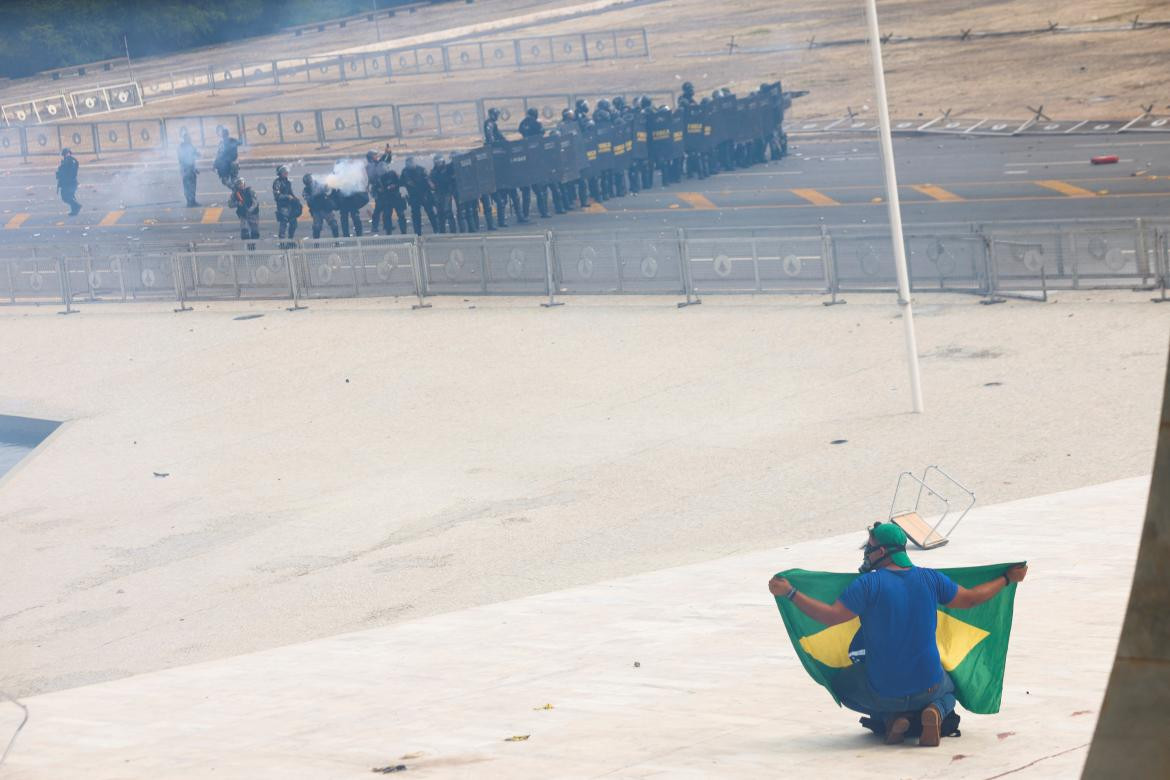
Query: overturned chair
x,y
915,496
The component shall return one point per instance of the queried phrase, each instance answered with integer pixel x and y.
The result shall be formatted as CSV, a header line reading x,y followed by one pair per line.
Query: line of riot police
x,y
587,157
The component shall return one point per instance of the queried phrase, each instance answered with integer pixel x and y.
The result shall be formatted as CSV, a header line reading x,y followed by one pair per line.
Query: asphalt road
x,y
825,180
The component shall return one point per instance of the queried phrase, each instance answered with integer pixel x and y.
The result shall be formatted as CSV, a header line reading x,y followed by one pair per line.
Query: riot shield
x,y
640,140
666,135
550,159
590,168
466,185
696,122
622,142
604,146
485,172
572,151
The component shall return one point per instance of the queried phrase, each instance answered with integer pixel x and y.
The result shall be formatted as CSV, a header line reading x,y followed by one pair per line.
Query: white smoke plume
x,y
348,176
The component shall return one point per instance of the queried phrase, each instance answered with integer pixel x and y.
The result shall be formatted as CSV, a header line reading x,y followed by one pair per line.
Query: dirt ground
x,y
1097,75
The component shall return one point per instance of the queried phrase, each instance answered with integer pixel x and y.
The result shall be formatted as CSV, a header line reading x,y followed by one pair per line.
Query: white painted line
x,y
1068,162
1078,124
1012,173
1120,143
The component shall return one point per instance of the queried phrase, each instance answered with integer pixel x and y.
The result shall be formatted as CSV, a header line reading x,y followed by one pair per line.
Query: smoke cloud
x,y
348,176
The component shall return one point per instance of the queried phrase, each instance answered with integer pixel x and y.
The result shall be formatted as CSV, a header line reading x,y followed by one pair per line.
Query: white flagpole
x,y
894,206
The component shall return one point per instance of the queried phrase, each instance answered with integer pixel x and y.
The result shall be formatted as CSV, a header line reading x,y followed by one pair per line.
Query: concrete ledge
x,y
684,672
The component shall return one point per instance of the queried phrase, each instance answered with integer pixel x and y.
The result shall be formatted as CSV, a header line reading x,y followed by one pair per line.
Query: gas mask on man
x,y
869,549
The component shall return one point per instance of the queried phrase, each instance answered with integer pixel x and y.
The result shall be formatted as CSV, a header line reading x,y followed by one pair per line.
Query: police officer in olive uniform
x,y
247,209
288,208
319,199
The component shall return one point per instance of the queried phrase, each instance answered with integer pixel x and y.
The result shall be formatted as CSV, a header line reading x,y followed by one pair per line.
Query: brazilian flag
x,y
972,643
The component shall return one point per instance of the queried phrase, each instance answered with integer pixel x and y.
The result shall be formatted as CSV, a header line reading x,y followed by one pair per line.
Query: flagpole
x,y
894,206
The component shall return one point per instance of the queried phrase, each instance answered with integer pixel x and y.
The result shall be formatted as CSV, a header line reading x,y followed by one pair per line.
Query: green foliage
x,y
42,34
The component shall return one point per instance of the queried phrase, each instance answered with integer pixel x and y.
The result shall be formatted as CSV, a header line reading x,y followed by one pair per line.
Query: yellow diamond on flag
x,y
831,645
955,639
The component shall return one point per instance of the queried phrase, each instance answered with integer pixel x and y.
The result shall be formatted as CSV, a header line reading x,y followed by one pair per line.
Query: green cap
x,y
891,535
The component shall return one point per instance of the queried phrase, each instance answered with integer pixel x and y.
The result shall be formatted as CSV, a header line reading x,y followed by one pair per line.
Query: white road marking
x,y
1012,173
1119,143
1067,162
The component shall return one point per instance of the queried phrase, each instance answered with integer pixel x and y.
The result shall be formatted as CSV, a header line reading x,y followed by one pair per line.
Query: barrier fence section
x,y
1005,259
322,126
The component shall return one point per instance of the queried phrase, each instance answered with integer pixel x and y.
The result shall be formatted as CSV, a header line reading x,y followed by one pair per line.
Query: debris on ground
x,y
518,738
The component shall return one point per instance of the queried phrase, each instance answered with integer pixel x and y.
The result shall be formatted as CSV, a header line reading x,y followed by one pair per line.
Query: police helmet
x,y
410,161
239,183
66,152
619,102
688,88
582,106
221,130
645,101
307,179
533,113
590,124
281,169
371,155
493,113
705,101
603,105
438,159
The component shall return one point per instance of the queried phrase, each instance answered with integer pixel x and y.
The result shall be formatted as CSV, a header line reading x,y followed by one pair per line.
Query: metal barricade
x,y
348,267
781,263
484,265
608,262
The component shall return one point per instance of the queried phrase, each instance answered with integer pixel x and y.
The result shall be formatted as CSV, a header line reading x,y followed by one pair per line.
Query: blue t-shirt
x,y
898,623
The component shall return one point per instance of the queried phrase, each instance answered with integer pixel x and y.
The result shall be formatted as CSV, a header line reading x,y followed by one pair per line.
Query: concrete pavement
x,y
683,672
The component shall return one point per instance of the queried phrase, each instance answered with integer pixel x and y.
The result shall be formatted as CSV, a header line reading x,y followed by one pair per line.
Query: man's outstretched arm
x,y
973,597
829,614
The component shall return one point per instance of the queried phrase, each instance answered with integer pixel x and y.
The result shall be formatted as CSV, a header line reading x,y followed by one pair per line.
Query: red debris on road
x,y
1104,159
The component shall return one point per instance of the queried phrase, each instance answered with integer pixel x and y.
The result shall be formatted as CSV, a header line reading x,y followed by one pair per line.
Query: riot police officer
x,y
67,181
391,190
376,164
188,154
421,195
288,207
350,205
531,127
443,176
574,190
319,199
491,127
687,99
227,158
247,209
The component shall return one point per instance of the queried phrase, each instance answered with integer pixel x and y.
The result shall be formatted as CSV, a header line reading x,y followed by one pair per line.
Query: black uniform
x,y
67,182
288,207
350,205
531,127
420,193
443,176
188,154
227,160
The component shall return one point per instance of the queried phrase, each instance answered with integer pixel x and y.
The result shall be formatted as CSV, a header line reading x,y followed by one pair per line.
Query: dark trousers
x,y
854,690
69,196
417,206
189,180
286,225
321,219
356,217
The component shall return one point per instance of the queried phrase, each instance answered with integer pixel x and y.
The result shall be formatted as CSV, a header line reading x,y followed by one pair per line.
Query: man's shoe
x,y
931,727
896,728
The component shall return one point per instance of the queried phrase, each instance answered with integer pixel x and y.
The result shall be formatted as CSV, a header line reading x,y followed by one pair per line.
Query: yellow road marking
x,y
111,219
595,208
16,221
1064,188
815,197
696,200
211,215
938,193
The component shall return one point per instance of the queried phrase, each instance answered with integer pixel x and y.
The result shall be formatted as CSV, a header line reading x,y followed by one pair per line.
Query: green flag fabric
x,y
972,643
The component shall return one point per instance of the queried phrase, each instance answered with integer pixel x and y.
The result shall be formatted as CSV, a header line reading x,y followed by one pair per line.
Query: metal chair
x,y
938,486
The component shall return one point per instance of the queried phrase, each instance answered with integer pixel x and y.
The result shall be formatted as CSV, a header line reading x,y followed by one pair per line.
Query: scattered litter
x,y
957,757
161,473
992,384
347,381
1005,734
1081,712
252,317
549,707
838,441
1104,159
637,664
385,770
518,738
409,756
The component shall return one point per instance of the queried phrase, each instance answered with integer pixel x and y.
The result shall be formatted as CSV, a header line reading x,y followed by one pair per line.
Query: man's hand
x,y
778,586
1017,573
